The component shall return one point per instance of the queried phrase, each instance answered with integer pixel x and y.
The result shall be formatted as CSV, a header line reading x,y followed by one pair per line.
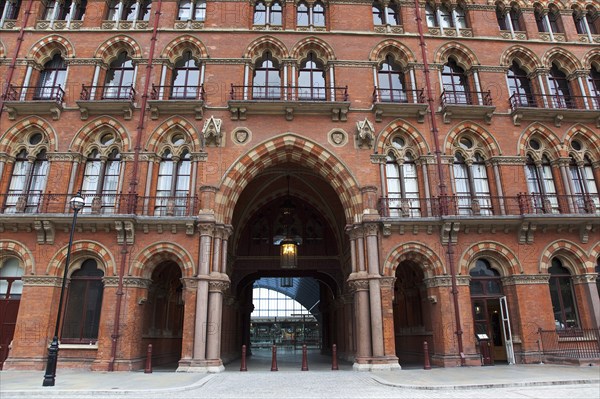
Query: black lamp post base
x,y
50,375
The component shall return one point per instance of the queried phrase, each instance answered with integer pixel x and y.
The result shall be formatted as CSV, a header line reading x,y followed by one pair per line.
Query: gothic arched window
x,y
561,295
52,79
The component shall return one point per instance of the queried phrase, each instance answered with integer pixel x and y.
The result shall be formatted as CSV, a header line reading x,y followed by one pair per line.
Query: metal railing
x,y
554,101
288,93
107,93
35,93
572,343
177,92
457,97
398,96
486,205
105,204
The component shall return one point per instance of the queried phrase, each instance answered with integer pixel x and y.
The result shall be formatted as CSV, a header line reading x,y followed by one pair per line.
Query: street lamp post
x,y
77,202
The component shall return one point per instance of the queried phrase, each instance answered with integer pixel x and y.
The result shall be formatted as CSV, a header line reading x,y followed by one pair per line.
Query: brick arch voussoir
x,y
9,139
21,252
109,50
58,261
284,149
176,47
321,48
542,130
491,145
261,44
175,123
42,51
590,136
566,60
158,252
529,61
402,126
595,252
509,262
572,251
379,52
463,55
87,132
414,251
590,58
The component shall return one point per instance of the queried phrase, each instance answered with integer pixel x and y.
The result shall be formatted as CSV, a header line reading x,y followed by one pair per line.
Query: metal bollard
x,y
274,359
334,364
304,359
426,354
148,368
243,366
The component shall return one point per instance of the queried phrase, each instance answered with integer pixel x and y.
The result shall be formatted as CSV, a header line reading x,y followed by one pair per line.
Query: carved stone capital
x,y
387,282
218,286
438,281
358,285
589,278
190,283
39,281
526,279
206,229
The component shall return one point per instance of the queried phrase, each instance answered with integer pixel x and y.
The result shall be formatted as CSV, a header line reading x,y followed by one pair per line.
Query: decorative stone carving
x,y
358,285
218,286
526,232
526,279
449,232
212,131
48,281
241,135
365,134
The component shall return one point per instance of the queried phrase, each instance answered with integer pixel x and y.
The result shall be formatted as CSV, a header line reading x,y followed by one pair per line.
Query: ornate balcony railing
x,y
554,101
35,93
104,204
168,93
107,93
398,96
288,93
486,206
457,97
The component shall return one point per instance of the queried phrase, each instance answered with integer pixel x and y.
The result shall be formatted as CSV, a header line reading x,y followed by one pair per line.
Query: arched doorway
x,y
11,287
490,315
291,202
412,322
163,315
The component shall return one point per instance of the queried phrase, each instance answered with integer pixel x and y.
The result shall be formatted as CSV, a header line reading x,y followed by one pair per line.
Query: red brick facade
x,y
394,268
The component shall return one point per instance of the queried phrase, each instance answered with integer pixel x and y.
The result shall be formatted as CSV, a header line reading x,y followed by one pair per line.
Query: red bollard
x,y
243,366
304,359
426,353
274,359
334,365
148,368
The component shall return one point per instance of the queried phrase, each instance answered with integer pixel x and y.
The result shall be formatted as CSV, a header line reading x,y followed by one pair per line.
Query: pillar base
x,y
201,366
376,363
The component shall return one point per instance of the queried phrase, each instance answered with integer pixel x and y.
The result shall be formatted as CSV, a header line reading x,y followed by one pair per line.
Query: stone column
x,y
214,327
190,289
387,297
374,290
359,284
206,232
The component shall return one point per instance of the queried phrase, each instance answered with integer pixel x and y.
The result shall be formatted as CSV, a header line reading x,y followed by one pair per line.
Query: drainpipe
x,y
442,180
133,185
13,63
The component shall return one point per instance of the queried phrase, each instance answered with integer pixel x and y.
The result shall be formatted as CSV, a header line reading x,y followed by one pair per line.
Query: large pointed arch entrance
x,y
334,222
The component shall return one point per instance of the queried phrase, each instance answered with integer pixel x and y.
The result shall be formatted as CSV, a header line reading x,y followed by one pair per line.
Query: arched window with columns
x,y
28,181
9,10
593,80
102,175
560,88
509,17
584,184
268,13
519,86
311,79
64,10
540,184
129,10
386,14
173,185
185,82
391,86
402,184
119,78
455,84
471,185
310,14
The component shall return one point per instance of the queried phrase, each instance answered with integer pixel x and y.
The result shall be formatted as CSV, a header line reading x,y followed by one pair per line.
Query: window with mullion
x,y
559,88
455,84
260,13
84,305
431,16
446,20
462,187
481,187
266,83
515,16
502,18
186,78
18,181
391,82
52,76
318,14
311,80
540,184
394,189
554,20
593,80
561,295
302,14
275,14
119,78
378,15
10,8
461,17
28,180
584,185
519,86
111,182
391,14
173,184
